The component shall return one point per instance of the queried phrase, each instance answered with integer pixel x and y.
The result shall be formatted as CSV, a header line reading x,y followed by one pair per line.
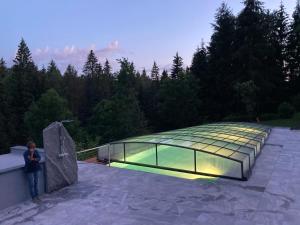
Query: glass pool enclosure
x,y
227,150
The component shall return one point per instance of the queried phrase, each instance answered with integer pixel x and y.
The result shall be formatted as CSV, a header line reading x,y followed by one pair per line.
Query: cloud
x,y
113,45
74,55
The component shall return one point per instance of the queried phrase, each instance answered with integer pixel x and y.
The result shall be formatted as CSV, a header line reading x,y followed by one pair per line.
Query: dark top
x,y
32,165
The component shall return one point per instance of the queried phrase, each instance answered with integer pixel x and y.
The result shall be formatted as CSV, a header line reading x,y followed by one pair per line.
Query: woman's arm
x,y
26,157
38,157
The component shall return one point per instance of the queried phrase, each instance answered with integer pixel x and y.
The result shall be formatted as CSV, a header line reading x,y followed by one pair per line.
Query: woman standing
x,y
32,168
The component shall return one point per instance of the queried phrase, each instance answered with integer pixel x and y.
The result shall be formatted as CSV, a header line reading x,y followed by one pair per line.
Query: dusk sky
x,y
140,30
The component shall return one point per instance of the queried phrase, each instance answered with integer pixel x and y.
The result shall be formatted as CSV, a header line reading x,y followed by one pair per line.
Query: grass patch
x,y
293,122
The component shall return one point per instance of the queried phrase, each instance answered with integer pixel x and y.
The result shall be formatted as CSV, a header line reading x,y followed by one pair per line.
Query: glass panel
x,y
238,156
116,152
188,138
163,136
199,146
245,159
198,139
232,146
227,136
240,143
220,143
212,164
225,152
208,141
186,143
140,153
140,139
175,157
211,148
173,142
250,152
253,142
258,147
243,140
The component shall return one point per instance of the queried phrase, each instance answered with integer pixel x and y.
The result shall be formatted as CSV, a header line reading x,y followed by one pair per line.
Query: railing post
x,y
242,170
195,161
109,155
156,155
124,152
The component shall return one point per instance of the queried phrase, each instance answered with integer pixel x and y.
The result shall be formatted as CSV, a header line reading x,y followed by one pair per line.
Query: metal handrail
x,y
87,150
82,153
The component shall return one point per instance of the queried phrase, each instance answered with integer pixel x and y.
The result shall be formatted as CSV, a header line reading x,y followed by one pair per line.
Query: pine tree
x,y
106,81
126,76
251,40
72,89
43,70
177,67
22,88
53,77
281,31
199,67
253,6
254,57
155,72
107,69
4,123
91,67
23,59
164,75
3,69
217,76
147,93
294,51
53,69
99,70
92,70
144,73
278,38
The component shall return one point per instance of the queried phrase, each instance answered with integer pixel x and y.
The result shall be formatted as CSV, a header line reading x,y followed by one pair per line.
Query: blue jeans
x,y
33,180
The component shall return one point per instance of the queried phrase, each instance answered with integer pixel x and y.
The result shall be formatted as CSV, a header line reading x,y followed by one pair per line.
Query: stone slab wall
x,y
60,157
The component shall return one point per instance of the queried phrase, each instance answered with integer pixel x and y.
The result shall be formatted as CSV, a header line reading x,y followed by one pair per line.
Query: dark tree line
x,y
249,69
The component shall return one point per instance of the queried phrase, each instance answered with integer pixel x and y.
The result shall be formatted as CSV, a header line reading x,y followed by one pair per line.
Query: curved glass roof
x,y
229,148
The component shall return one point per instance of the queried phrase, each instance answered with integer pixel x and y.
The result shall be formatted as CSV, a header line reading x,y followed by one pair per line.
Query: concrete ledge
x,y
14,160
14,185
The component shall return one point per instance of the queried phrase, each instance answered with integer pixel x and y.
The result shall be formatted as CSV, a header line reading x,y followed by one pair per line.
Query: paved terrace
x,y
112,196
